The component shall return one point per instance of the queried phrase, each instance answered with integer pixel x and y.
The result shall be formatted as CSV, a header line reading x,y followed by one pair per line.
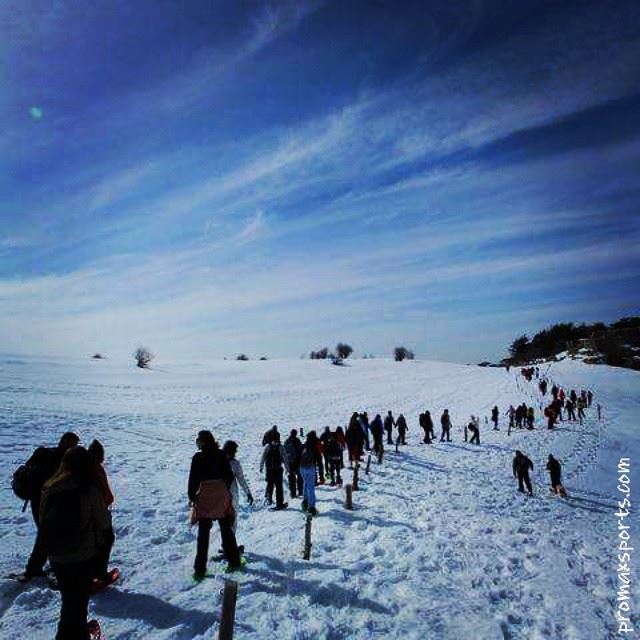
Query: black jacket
x,y
521,465
208,465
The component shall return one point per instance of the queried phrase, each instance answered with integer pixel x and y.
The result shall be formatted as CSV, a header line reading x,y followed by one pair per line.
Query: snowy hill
x,y
441,545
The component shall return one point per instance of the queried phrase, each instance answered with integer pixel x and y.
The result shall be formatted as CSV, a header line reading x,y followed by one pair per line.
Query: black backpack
x,y
61,527
26,482
306,458
274,457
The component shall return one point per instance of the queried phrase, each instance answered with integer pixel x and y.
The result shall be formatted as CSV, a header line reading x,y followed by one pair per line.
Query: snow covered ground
x,y
441,545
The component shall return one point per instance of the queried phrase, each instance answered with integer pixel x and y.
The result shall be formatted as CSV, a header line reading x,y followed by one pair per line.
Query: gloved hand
x,y
250,499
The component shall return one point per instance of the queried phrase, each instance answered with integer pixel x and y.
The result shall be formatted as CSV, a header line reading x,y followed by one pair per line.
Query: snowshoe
x,y
99,584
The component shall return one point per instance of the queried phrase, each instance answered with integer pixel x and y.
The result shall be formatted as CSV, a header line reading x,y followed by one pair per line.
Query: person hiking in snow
x,y
377,431
574,396
401,424
355,440
39,468
308,472
273,457
364,424
530,417
326,434
581,404
589,398
211,501
494,418
445,422
293,449
474,428
550,416
543,387
342,441
389,423
512,418
554,391
270,435
555,472
96,451
74,521
230,449
334,456
521,466
570,407
422,421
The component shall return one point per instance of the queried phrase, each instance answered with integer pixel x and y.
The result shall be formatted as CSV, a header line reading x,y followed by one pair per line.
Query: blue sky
x,y
210,178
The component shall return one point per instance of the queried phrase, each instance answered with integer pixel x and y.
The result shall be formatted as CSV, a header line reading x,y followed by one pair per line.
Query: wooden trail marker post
x,y
368,464
356,471
307,539
349,498
229,597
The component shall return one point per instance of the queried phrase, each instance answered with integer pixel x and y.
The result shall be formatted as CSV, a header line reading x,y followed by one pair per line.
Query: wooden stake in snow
x,y
349,499
307,539
229,596
356,471
368,464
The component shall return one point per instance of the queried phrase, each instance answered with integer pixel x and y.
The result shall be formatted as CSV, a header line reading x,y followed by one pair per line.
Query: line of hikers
x,y
70,494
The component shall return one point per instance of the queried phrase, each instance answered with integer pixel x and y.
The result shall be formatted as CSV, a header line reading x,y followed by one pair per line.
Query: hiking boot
x,y
304,505
284,505
313,511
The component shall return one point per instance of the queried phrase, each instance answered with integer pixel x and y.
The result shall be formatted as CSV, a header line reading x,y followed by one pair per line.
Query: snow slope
x,y
441,545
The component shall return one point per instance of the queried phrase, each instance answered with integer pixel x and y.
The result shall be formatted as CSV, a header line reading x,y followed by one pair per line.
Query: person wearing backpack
x,y
209,486
308,473
293,448
28,481
273,457
389,423
74,521
102,573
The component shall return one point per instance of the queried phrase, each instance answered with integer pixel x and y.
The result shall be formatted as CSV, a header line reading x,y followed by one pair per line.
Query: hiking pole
x,y
229,596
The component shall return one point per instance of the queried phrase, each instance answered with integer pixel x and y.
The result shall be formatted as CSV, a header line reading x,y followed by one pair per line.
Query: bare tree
x,y
343,350
402,353
143,357
242,356
322,354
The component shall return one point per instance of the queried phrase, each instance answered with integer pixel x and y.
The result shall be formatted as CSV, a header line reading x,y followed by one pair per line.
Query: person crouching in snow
x,y
230,448
273,457
210,480
474,428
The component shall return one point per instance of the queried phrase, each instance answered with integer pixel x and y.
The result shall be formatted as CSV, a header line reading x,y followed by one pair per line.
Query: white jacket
x,y
238,479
